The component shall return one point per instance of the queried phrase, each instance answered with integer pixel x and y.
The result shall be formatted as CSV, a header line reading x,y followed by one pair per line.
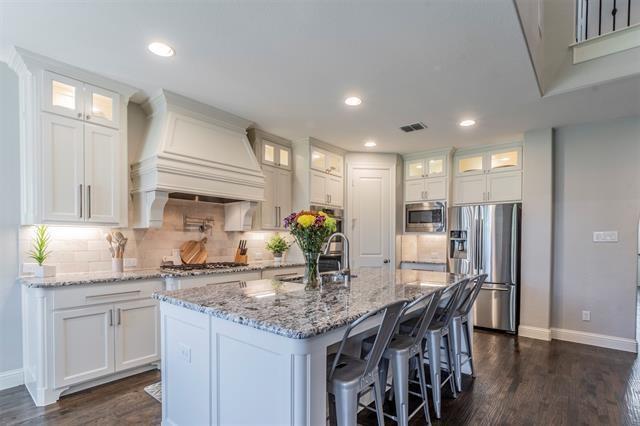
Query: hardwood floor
x,y
520,381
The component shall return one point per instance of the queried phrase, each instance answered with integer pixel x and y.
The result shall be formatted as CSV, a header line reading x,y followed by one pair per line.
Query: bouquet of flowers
x,y
310,230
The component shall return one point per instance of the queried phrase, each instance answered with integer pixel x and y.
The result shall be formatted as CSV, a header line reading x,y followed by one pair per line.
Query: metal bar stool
x,y
350,376
460,328
436,336
402,349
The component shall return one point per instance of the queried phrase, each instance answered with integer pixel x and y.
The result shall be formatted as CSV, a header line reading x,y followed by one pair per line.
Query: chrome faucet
x,y
344,266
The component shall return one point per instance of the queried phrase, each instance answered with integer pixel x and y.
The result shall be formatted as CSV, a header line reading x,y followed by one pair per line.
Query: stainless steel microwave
x,y
426,217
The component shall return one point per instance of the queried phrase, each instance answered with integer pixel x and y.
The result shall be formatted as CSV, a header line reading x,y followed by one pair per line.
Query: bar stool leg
x,y
433,348
456,331
468,336
400,368
451,374
347,408
377,390
423,387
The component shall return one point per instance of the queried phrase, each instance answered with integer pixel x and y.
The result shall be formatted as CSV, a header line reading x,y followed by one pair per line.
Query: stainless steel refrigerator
x,y
486,240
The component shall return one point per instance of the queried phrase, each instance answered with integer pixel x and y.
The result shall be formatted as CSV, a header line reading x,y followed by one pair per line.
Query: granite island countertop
x,y
86,278
287,309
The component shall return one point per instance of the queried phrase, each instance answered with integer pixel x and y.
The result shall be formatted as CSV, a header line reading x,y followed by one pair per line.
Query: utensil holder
x,y
117,264
240,258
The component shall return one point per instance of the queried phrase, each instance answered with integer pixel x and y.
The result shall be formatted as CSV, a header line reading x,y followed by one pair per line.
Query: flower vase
x,y
310,279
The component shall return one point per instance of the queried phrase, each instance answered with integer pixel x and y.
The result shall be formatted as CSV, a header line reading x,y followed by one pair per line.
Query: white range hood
x,y
192,149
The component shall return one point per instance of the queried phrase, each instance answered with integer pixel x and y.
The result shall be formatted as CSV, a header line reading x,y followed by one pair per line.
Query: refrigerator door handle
x,y
481,245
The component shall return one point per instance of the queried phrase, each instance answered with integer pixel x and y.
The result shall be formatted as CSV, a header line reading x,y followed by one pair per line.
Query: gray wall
x,y
537,229
10,322
597,188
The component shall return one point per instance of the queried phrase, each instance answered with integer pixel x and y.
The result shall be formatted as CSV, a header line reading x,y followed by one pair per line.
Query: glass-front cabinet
x,y
505,159
75,99
433,166
275,154
492,161
472,164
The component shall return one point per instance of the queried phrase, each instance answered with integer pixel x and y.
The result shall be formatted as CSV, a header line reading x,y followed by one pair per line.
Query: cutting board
x,y
194,252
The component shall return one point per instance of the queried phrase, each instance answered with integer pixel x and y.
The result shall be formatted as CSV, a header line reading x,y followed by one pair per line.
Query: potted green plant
x,y
278,246
40,252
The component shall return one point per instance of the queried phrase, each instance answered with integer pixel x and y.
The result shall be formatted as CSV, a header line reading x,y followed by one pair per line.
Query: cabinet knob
x,y
79,115
88,117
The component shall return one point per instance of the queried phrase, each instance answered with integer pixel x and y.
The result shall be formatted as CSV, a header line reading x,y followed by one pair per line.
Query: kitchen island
x,y
255,352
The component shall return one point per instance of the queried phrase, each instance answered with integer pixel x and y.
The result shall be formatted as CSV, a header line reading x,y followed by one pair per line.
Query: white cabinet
x,y
137,333
426,177
326,189
83,344
488,176
277,193
318,188
327,162
429,166
335,191
271,150
73,140
428,189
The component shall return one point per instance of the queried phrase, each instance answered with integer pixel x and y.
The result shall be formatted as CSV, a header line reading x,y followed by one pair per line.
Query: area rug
x,y
155,390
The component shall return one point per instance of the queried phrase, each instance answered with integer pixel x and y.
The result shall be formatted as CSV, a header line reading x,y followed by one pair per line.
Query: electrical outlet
x,y
605,237
586,315
185,352
130,262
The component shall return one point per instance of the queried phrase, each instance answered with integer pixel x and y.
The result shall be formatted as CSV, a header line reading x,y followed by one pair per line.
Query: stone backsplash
x,y
84,249
430,248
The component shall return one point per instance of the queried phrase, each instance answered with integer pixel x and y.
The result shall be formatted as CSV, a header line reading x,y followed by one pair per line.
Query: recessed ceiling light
x,y
161,49
370,144
353,101
467,123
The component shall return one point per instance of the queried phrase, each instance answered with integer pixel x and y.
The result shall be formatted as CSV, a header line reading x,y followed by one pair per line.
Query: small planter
x,y
277,258
44,271
117,264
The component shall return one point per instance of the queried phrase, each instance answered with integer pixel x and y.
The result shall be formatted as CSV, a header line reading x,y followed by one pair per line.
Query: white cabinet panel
x,y
436,166
318,160
62,95
83,344
504,186
63,168
335,164
414,190
284,193
435,188
102,174
335,191
327,162
414,169
318,188
101,106
469,189
268,206
137,333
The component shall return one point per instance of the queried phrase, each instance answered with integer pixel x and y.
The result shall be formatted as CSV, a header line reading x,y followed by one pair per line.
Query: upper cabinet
x,y
492,175
327,162
426,177
270,149
431,166
73,144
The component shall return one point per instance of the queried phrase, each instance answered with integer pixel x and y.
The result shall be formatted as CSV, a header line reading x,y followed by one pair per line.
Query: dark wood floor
x,y
520,382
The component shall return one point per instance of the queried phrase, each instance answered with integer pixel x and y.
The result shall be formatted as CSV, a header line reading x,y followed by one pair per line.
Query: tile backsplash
x,y
82,249
430,248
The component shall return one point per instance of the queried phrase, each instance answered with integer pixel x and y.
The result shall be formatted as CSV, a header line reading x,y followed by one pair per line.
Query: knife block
x,y
240,258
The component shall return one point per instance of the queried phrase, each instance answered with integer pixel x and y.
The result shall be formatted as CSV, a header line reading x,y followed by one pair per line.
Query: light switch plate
x,y
605,237
586,315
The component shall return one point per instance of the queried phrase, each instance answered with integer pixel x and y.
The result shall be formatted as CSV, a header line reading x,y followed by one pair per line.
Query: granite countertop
x,y
84,278
287,309
429,262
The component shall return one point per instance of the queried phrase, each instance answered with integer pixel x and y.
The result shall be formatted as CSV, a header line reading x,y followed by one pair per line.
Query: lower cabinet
x,y
137,333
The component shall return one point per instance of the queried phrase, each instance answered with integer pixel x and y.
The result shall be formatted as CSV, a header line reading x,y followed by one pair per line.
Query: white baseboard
x,y
593,339
534,332
11,378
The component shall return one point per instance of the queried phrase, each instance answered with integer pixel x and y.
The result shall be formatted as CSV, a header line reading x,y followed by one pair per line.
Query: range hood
x,y
192,149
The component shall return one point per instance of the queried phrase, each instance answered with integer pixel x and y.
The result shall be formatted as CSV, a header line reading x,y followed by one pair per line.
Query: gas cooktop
x,y
203,266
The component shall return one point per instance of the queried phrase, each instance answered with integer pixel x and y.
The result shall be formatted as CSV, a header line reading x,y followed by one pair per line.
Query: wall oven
x,y
426,217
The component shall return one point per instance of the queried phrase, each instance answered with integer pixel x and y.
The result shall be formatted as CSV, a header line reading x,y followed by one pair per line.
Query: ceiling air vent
x,y
413,127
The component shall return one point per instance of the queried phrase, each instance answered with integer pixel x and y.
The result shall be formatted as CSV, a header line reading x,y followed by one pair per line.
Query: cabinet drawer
x,y
279,273
84,295
190,282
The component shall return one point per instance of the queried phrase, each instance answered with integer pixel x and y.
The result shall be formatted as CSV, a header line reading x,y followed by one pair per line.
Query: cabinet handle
x,y
88,117
488,195
88,201
79,115
80,200
118,316
110,317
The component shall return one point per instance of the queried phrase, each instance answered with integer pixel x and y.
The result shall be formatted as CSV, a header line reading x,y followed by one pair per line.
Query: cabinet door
x,y
62,95
436,166
318,188
414,190
102,174
101,106
83,344
469,164
335,164
469,189
284,188
335,191
269,153
63,169
504,186
507,159
435,188
284,157
318,160
137,333
414,169
269,205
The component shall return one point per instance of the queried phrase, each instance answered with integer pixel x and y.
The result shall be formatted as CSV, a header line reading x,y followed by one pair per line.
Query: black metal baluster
x,y
628,13
600,18
613,14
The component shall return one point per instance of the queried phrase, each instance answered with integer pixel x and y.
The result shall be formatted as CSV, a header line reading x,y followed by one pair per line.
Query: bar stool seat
x,y
348,373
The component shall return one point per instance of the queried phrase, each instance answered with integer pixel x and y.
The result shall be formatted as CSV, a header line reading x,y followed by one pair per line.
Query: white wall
x,y
537,237
597,188
10,330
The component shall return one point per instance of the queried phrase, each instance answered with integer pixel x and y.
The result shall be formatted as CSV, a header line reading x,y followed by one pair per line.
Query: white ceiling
x,y
287,66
